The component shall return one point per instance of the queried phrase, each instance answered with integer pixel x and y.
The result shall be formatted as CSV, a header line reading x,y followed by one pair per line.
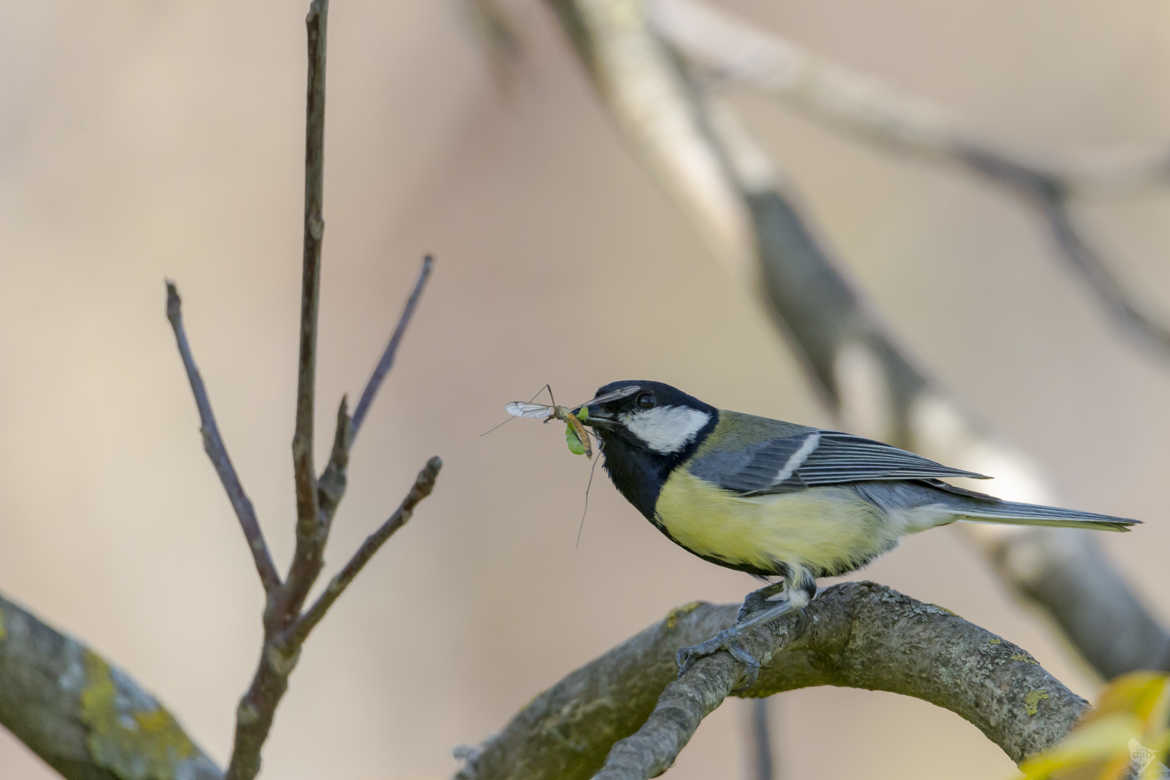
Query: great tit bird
x,y
780,500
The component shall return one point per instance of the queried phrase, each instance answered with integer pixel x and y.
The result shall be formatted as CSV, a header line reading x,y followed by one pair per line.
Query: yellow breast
x,y
827,529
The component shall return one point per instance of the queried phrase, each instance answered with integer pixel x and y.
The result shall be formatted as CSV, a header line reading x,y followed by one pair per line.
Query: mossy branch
x,y
85,717
625,715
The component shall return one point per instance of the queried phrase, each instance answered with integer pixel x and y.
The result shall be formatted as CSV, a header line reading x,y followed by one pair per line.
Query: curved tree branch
x,y
83,716
710,164
878,113
857,634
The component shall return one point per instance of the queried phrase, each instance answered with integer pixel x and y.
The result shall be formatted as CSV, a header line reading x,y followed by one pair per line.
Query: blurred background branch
x,y
761,738
731,51
858,104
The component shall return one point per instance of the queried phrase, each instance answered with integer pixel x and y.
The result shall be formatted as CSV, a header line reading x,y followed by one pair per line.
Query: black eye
x,y
645,400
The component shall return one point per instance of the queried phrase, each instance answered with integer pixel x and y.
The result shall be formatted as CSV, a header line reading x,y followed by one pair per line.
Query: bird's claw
x,y
747,609
728,640
750,607
755,602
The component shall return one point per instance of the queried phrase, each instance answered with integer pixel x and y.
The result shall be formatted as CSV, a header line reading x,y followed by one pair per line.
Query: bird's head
x,y
646,429
660,421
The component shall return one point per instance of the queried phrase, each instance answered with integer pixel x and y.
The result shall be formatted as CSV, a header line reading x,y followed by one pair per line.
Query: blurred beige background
x,y
143,140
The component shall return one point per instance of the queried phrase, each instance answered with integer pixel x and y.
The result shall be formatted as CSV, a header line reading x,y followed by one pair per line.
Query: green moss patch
x,y
129,733
1032,701
673,616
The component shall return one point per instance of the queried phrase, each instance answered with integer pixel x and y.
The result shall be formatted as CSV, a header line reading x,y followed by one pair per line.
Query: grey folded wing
x,y
816,458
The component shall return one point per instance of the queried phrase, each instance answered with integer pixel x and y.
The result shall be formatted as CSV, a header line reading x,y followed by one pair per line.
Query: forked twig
x,y
285,626
214,447
423,485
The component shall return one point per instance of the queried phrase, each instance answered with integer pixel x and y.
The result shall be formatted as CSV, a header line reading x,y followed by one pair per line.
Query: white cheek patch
x,y
666,429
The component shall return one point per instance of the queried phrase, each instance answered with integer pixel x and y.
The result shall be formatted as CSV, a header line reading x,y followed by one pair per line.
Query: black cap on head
x,y
646,429
630,394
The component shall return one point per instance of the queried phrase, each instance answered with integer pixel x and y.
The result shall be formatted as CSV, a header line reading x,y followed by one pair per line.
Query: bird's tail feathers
x,y
1013,513
923,504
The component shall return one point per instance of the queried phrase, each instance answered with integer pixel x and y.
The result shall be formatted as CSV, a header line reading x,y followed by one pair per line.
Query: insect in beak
x,y
576,437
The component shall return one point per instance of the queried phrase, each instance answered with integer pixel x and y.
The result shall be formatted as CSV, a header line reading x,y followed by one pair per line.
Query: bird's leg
x,y
758,599
752,613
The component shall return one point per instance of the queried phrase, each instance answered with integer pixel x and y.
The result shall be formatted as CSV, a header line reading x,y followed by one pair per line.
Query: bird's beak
x,y
595,413
595,416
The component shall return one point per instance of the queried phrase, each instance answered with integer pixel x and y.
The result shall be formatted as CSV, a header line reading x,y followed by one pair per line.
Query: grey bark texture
x,y
83,716
857,634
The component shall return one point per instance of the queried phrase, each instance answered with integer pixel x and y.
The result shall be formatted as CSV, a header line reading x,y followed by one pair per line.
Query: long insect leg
x,y
585,509
507,420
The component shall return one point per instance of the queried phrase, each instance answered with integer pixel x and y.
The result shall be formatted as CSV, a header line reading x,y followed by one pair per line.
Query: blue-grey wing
x,y
815,458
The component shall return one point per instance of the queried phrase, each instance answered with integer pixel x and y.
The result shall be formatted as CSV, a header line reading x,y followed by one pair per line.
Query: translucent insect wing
x,y
527,410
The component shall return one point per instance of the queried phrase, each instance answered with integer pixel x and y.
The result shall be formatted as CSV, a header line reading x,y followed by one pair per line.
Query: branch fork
x,y
287,624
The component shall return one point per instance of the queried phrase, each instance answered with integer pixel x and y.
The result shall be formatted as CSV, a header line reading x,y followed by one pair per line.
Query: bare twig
x,y
857,634
90,720
331,484
308,555
717,171
387,358
217,452
286,627
82,715
423,485
281,650
257,707
879,113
